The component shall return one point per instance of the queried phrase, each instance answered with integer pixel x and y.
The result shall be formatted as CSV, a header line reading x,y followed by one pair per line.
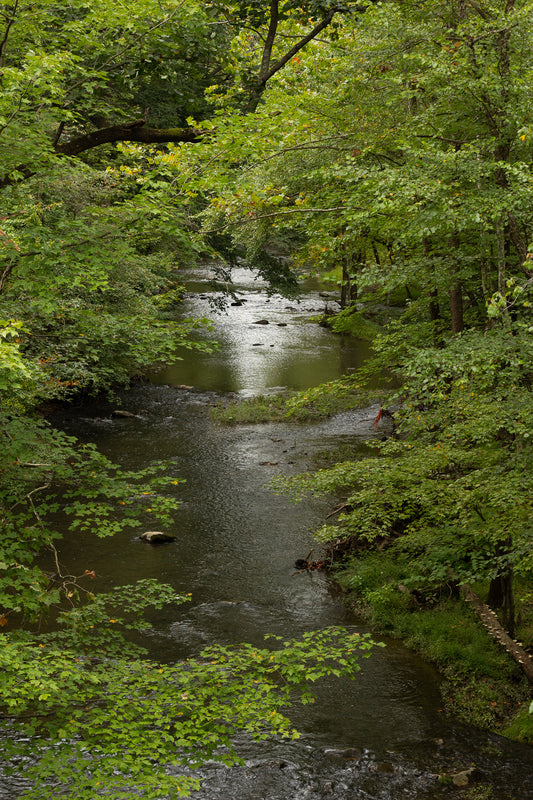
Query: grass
x,y
521,727
315,403
264,408
482,684
354,323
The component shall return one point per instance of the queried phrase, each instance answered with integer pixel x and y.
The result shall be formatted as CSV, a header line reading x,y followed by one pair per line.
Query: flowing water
x,y
383,735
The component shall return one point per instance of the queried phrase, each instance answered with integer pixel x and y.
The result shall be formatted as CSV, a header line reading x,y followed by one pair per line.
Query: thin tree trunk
x,y
456,292
267,69
501,595
456,308
345,285
500,259
348,285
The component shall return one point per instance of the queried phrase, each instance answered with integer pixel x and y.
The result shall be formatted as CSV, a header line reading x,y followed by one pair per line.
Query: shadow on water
x,y
381,736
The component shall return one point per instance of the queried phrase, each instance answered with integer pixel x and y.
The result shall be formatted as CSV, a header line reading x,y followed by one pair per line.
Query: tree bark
x,y
267,70
348,286
501,596
492,624
10,18
129,132
456,292
138,132
456,308
501,588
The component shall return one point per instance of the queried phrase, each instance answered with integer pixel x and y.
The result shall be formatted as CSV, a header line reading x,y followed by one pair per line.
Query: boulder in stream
x,y
350,753
157,537
461,778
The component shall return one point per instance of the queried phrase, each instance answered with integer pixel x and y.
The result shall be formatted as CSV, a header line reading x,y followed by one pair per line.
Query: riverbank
x,y
482,685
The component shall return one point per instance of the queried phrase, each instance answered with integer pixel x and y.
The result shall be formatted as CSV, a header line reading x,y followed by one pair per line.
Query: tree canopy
x,y
384,146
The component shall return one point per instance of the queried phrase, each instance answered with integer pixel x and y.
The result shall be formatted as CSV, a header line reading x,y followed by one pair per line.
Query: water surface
x,y
383,735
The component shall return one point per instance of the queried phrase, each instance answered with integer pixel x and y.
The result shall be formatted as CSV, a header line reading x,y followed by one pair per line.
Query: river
x,y
383,735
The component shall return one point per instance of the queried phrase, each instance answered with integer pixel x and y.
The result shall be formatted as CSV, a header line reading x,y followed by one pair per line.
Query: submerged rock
x,y
157,537
349,753
461,778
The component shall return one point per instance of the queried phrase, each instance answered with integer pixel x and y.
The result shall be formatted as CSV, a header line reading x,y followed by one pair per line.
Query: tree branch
x,y
246,220
10,19
128,132
269,41
138,132
298,46
266,71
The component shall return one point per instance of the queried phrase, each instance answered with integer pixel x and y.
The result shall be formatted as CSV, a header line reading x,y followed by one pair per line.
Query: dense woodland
x,y
385,146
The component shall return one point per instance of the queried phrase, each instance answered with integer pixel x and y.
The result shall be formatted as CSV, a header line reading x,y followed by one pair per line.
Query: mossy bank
x,y
482,684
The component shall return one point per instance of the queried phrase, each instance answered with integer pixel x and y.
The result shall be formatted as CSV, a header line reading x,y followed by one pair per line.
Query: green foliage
x,y
354,323
89,259
86,714
263,408
396,152
406,160
453,491
101,726
45,474
85,66
14,372
521,728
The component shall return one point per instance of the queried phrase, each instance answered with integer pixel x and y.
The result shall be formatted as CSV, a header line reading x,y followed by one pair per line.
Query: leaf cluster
x,y
146,725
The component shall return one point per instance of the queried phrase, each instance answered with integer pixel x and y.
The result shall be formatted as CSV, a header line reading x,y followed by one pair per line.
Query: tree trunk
x,y
456,292
433,294
501,260
492,624
348,285
456,308
501,596
501,587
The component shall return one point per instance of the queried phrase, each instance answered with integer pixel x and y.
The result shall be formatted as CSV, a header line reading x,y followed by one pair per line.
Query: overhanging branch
x,y
130,132
126,132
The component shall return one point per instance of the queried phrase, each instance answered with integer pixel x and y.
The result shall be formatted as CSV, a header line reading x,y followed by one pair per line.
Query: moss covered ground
x,y
482,684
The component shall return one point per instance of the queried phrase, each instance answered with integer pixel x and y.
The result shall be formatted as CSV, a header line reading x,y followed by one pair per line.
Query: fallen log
x,y
491,622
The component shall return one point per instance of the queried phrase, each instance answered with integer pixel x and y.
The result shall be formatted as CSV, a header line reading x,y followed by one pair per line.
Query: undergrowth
x,y
316,403
482,684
